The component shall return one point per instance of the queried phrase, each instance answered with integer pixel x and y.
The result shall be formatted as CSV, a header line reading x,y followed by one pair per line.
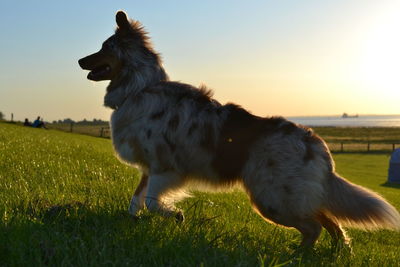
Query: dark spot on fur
x,y
309,154
148,133
163,158
272,124
170,144
290,177
157,115
138,152
174,122
149,90
288,127
313,139
270,181
244,129
271,163
192,128
207,140
288,190
309,140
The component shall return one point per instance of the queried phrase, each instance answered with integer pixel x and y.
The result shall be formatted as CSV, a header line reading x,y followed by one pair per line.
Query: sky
x,y
289,58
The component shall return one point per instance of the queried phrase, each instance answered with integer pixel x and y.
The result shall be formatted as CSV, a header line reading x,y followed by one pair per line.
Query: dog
x,y
178,135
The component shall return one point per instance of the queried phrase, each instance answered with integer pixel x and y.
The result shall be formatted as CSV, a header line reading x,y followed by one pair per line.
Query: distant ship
x,y
346,116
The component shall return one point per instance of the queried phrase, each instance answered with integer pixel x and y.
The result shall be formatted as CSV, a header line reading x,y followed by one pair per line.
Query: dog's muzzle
x,y
97,65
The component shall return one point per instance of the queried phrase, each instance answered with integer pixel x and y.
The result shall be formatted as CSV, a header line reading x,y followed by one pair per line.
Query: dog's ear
x,y
129,28
122,20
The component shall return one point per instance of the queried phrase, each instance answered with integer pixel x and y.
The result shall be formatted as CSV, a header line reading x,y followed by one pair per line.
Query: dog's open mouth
x,y
99,73
102,66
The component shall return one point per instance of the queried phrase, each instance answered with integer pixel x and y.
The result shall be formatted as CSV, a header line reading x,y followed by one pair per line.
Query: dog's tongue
x,y
98,72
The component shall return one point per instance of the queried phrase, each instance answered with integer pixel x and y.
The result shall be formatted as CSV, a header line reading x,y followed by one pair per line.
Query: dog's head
x,y
118,50
127,59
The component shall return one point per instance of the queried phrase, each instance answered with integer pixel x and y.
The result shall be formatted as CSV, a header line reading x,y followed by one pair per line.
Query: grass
x,y
360,139
359,134
64,199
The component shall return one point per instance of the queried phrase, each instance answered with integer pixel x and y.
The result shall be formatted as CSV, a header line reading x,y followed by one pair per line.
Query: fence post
x,y
101,131
393,147
71,126
368,144
341,146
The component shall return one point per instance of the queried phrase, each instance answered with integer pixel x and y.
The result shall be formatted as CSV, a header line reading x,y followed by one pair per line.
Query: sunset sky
x,y
289,58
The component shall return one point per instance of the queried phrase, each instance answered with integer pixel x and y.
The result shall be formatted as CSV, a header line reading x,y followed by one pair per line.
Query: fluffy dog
x,y
178,134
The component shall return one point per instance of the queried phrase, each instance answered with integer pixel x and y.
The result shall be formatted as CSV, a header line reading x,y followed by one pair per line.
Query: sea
x,y
360,121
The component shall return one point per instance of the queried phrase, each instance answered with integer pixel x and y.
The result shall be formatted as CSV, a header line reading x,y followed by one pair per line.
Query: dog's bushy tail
x,y
354,206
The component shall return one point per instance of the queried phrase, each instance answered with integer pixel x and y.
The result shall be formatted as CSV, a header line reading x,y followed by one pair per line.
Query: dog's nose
x,y
80,62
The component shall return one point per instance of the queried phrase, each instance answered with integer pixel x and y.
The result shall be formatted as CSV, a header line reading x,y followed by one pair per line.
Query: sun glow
x,y
380,54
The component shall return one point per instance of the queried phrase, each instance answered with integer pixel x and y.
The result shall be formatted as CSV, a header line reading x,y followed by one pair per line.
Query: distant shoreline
x,y
338,115
338,121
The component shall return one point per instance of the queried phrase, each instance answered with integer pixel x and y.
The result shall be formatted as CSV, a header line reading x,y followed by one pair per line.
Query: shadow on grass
x,y
391,185
74,234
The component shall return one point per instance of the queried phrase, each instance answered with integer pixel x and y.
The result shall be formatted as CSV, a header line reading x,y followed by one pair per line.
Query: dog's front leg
x,y
158,186
137,202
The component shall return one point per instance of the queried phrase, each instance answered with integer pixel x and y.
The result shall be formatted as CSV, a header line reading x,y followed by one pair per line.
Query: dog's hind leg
x,y
333,228
280,203
160,185
137,202
310,229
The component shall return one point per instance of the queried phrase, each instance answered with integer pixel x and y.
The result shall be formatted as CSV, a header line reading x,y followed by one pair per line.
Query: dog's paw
x,y
135,206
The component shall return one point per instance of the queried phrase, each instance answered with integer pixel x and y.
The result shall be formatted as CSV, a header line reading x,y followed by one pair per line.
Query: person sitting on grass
x,y
27,122
38,123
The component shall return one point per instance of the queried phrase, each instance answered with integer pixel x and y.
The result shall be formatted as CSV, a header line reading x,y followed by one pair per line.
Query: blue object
x,y
394,167
36,123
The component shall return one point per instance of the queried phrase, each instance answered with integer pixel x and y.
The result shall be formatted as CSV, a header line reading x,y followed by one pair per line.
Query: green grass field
x,y
64,200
